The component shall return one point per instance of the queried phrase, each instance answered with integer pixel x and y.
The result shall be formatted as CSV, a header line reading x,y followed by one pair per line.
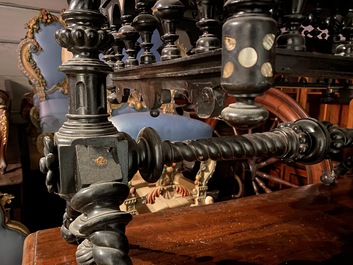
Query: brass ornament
x,y
101,161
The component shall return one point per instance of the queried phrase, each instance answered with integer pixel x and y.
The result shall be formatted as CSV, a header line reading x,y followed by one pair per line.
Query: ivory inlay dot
x,y
230,43
268,41
266,70
228,69
247,57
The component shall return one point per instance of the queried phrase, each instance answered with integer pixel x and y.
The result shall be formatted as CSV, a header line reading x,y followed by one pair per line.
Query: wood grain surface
x,y
306,225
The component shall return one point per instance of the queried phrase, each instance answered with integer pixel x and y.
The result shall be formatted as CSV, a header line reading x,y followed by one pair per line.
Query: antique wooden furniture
x,y
39,57
11,170
304,225
12,234
89,162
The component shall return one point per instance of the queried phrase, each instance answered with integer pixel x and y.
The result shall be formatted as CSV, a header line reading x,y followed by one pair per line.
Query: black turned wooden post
x,y
145,23
113,57
292,38
114,16
334,26
346,47
314,19
128,34
208,25
169,12
91,171
119,46
247,59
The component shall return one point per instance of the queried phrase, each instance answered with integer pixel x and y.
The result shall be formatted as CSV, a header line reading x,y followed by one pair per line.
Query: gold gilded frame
x,y
28,46
6,198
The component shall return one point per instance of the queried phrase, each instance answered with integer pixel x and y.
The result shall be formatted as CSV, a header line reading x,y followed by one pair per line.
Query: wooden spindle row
x,y
301,27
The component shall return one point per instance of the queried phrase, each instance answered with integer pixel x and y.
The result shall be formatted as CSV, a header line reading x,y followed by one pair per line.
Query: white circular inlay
x,y
247,57
268,41
266,70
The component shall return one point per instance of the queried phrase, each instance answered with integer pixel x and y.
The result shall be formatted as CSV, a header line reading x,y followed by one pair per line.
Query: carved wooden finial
x,y
169,13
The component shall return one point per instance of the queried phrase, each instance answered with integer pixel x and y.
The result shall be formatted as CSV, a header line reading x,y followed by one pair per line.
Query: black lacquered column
x,y
92,169
248,38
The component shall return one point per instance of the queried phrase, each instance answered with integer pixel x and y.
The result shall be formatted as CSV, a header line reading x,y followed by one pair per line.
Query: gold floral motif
x,y
29,45
202,177
44,18
27,64
100,161
6,198
4,126
134,100
62,86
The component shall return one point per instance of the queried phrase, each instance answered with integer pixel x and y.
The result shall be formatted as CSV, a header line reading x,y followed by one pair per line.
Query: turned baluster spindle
x,y
114,58
292,38
145,23
118,46
115,95
334,26
111,59
169,12
247,59
129,36
346,47
114,55
314,20
208,25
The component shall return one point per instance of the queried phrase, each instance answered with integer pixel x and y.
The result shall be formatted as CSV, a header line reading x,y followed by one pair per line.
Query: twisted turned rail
x,y
307,141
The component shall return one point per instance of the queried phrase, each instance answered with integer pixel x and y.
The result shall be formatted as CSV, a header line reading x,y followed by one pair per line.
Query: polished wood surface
x,y
306,225
12,176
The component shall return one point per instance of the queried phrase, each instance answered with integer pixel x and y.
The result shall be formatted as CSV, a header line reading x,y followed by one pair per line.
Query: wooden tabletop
x,y
306,225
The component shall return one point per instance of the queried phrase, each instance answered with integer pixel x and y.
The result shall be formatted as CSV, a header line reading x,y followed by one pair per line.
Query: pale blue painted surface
x,y
11,244
49,58
169,126
53,114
